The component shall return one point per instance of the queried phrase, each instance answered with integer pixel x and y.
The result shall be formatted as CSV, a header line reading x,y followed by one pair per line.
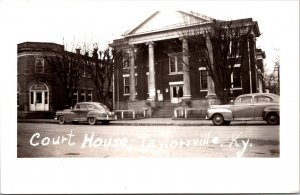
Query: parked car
x,y
86,111
246,107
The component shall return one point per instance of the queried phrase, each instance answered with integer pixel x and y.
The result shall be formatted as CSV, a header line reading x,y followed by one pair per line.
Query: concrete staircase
x,y
164,110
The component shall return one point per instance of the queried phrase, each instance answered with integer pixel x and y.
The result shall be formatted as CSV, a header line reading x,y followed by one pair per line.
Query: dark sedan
x,y
256,106
90,112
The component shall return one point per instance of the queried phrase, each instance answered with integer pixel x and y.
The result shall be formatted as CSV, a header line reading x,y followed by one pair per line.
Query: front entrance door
x,y
39,97
176,93
39,101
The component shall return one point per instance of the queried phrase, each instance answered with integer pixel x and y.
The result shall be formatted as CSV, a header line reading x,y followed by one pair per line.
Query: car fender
x,y
93,113
226,113
67,114
273,108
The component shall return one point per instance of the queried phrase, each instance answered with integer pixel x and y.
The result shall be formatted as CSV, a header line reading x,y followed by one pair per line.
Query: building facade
x,y
39,92
154,74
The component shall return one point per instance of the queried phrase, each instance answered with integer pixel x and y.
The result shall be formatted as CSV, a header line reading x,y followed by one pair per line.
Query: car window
x,y
102,107
77,106
263,99
275,98
244,100
83,106
90,107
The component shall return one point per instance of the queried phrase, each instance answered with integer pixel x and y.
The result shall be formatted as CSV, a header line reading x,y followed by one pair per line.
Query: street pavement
x,y
147,138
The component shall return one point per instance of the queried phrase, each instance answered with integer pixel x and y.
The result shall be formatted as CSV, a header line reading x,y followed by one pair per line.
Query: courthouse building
x,y
39,93
152,74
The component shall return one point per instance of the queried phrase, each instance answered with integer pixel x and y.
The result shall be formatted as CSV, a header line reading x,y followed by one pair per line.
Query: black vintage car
x,y
90,112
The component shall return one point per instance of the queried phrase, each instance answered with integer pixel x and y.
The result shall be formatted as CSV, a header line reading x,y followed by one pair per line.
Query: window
x,y
236,77
234,48
75,97
126,86
82,95
46,97
262,99
175,63
39,65
127,83
244,100
77,106
83,107
89,96
90,107
126,60
203,78
31,97
177,91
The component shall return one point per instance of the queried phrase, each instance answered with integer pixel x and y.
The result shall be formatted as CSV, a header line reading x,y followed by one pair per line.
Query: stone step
x,y
165,111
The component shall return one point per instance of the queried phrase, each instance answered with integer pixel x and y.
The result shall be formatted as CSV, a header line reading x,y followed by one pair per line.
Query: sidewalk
x,y
137,122
153,122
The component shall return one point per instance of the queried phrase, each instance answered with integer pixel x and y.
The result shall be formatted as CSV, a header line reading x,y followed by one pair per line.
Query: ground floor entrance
x,y
39,97
176,92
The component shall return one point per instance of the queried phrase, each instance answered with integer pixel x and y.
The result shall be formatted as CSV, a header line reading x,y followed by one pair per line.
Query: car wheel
x,y
92,121
227,122
218,119
105,122
61,120
272,119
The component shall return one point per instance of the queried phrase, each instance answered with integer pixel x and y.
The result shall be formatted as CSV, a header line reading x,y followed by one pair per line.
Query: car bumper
x,y
107,118
56,118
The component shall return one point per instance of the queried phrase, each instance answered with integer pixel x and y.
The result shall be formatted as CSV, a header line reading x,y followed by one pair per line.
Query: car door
x,y
83,112
260,102
76,113
243,108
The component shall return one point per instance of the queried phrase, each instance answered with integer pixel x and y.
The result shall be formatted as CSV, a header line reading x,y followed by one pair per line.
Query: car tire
x,y
272,119
105,122
92,120
61,120
218,119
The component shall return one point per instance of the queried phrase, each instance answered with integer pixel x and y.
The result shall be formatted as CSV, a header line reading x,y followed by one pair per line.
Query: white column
x,y
186,70
152,88
132,74
210,82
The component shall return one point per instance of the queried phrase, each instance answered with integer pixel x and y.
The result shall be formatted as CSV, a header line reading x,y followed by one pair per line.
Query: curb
x,y
120,123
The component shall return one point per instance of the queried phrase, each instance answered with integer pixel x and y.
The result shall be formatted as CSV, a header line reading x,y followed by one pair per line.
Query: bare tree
x,y
67,69
100,68
272,79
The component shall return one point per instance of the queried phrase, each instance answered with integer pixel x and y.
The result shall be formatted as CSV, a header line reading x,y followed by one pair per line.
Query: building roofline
x,y
39,46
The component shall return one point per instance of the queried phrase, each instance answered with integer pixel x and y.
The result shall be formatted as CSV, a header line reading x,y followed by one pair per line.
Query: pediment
x,y
166,20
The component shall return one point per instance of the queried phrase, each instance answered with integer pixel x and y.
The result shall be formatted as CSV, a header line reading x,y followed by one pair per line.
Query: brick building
x,y
152,74
39,93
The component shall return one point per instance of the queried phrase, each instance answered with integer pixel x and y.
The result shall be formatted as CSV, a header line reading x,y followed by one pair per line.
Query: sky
x,y
99,21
